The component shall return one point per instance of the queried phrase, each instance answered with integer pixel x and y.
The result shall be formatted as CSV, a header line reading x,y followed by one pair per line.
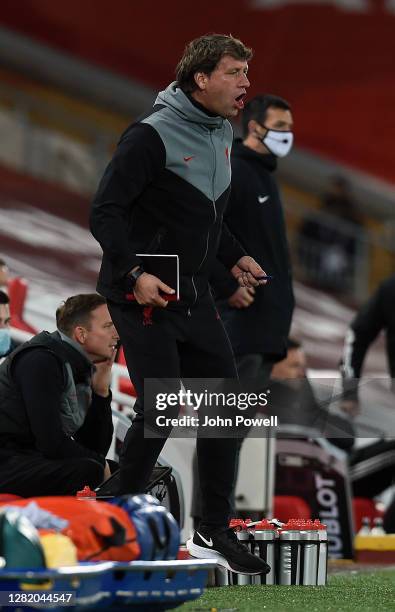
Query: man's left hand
x,y
248,273
102,376
243,297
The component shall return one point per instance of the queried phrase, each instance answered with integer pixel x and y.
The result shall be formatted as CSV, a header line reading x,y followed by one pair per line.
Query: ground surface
x,y
353,589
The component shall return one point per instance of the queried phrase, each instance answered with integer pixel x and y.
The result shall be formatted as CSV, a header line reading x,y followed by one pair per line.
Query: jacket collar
x,y
268,160
200,106
81,366
174,98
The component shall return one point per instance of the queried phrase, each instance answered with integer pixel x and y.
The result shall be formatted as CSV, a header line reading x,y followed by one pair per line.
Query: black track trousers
x,y
171,343
33,475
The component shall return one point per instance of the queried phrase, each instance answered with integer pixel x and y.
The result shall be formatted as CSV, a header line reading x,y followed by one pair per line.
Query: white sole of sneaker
x,y
201,552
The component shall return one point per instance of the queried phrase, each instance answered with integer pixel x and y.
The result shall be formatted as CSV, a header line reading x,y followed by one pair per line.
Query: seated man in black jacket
x,y
55,404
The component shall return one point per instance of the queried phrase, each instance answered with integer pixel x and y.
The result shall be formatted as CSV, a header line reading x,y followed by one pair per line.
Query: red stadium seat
x,y
121,357
17,291
289,506
364,506
125,384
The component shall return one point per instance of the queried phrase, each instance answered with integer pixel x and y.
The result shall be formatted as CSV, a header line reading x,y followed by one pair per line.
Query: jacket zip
x,y
208,232
213,180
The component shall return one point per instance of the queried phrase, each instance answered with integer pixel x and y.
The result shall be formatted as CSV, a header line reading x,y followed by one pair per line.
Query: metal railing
x,y
47,141
336,255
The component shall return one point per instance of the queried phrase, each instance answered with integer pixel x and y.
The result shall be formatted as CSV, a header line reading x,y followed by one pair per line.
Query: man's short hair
x,y
257,109
4,299
2,263
203,55
77,310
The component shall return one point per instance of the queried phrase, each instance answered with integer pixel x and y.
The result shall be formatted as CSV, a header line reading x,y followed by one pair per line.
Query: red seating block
x,y
289,506
125,384
364,506
17,291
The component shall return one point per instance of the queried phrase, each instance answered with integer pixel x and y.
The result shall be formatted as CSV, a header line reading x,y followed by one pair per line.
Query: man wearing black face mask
x,y
258,320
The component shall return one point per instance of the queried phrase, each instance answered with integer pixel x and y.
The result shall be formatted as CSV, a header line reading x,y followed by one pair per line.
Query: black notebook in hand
x,y
164,267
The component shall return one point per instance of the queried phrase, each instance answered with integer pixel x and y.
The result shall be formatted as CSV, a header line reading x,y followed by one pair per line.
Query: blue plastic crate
x,y
149,585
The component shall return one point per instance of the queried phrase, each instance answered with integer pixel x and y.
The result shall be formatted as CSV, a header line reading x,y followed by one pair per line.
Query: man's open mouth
x,y
240,100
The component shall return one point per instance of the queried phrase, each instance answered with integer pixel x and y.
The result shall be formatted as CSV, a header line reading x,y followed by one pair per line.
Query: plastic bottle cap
x,y
292,525
237,524
86,492
263,525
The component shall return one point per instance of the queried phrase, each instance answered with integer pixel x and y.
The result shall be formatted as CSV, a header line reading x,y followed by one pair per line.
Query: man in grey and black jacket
x,y
55,404
165,192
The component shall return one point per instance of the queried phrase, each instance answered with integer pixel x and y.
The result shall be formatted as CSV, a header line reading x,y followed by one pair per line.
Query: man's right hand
x,y
147,288
242,297
350,407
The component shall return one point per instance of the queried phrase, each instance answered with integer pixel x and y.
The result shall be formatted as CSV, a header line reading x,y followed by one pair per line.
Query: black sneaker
x,y
228,551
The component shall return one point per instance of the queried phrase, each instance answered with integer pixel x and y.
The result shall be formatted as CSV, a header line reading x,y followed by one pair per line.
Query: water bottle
x,y
322,553
377,528
238,524
264,537
365,526
290,550
309,553
243,536
221,576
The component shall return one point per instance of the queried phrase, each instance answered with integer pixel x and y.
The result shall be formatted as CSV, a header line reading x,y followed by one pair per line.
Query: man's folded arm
x,y
97,429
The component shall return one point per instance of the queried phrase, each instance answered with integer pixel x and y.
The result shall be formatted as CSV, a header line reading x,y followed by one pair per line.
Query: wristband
x,y
134,276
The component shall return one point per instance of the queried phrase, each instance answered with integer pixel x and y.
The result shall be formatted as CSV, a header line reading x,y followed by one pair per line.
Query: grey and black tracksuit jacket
x,y
165,192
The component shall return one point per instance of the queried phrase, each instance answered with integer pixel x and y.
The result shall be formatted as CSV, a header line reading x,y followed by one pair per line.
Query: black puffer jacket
x,y
44,383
